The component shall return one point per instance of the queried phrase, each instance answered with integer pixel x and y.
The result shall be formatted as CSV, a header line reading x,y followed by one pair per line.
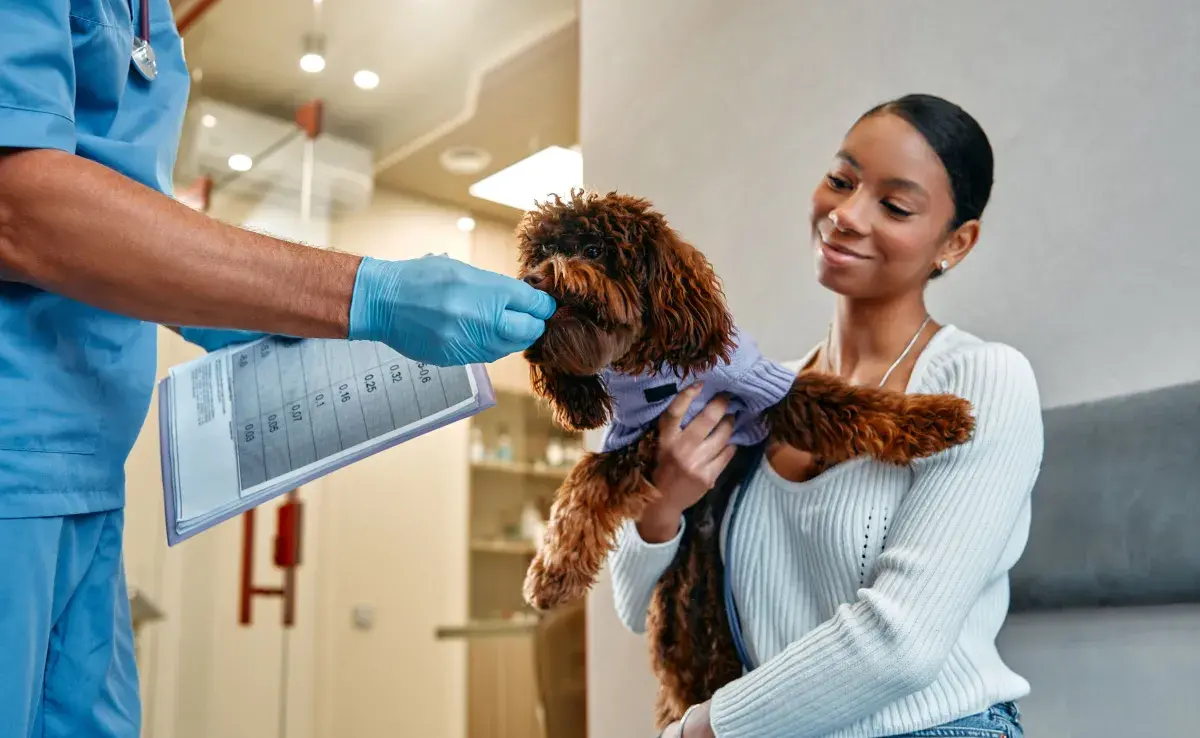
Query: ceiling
x,y
498,75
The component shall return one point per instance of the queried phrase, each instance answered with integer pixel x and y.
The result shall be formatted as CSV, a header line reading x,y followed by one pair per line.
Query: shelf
x,y
488,628
502,546
520,469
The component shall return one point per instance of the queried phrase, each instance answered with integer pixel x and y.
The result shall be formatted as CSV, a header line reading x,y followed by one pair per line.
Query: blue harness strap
x,y
731,610
735,623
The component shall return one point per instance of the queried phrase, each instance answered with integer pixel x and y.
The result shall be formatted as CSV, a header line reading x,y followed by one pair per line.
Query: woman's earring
x,y
943,265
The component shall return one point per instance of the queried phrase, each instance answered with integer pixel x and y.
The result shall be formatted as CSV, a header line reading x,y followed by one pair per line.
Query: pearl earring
x,y
944,265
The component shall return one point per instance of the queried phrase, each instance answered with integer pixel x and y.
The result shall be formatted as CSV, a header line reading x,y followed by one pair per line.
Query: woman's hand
x,y
689,461
697,725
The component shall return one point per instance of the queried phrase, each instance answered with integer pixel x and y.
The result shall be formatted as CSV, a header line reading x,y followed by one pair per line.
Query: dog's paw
x,y
549,587
929,425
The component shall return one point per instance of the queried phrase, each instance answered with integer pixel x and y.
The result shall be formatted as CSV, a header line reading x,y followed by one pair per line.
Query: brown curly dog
x,y
642,314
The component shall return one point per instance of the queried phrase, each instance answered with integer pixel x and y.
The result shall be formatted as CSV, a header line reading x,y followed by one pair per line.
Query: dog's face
x,y
631,293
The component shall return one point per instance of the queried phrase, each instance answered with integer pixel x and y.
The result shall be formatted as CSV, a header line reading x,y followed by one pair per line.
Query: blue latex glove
x,y
211,339
440,311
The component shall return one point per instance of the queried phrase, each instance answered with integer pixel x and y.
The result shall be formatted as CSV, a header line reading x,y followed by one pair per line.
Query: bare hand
x,y
698,725
690,459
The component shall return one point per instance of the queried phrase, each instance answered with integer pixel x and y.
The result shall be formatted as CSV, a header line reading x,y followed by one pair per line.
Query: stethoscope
x,y
143,53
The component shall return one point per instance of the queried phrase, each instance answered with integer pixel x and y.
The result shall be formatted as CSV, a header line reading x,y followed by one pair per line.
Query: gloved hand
x,y
211,339
440,311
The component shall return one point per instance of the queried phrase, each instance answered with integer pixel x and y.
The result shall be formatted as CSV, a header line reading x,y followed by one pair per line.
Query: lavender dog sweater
x,y
753,382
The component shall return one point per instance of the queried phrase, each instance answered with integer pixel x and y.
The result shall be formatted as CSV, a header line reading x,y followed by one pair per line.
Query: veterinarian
x,y
866,599
93,253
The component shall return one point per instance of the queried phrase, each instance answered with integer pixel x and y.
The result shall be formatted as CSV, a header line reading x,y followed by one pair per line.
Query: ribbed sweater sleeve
x,y
636,566
944,546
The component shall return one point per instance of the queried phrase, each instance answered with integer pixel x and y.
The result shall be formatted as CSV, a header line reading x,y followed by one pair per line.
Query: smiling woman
x,y
877,217
867,596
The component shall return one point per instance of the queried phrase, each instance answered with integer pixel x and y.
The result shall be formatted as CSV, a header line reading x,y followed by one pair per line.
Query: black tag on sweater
x,y
659,393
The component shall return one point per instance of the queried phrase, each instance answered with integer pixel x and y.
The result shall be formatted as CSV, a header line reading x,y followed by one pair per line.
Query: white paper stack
x,y
250,422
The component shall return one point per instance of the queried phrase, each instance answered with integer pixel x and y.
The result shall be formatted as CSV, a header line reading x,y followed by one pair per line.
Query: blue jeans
x,y
999,721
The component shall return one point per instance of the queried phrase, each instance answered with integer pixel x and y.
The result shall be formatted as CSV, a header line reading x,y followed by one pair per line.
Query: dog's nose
x,y
535,280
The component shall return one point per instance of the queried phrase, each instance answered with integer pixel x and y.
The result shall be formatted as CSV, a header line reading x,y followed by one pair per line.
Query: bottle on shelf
x,y
556,454
504,449
532,525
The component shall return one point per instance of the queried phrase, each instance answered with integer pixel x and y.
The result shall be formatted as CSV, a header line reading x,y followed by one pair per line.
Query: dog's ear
x,y
688,325
578,403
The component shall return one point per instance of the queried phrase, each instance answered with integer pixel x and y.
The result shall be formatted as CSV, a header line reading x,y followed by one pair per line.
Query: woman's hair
x,y
960,143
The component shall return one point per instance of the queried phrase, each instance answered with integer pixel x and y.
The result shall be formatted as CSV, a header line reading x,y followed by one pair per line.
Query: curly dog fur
x,y
635,297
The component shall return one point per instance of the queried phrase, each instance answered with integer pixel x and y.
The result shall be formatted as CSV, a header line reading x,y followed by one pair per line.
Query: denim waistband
x,y
1008,710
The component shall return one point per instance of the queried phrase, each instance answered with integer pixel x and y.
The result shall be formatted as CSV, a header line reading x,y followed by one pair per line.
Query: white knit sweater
x,y
871,595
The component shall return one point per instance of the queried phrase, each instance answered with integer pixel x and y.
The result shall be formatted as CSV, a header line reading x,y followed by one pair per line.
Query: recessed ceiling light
x,y
465,160
466,224
312,63
313,60
366,79
553,170
240,163
209,120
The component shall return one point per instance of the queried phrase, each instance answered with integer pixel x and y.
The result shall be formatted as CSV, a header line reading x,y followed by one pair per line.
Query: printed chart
x,y
298,402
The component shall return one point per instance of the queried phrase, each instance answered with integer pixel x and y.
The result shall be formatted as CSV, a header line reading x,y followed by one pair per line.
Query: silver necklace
x,y
912,342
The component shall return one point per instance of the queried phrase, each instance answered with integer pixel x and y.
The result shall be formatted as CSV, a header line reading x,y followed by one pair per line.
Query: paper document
x,y
248,423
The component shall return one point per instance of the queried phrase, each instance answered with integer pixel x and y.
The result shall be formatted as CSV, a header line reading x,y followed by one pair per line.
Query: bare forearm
x,y
76,228
658,524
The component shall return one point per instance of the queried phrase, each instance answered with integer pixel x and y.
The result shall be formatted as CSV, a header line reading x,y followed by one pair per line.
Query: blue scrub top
x,y
75,382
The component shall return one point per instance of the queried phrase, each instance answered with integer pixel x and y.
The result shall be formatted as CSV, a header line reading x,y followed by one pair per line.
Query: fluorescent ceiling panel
x,y
551,171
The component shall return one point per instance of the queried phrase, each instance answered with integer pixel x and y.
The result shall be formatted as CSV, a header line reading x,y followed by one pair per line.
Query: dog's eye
x,y
592,252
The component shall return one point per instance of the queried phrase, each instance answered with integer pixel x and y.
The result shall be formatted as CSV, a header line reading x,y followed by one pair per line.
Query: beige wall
x,y
388,534
395,539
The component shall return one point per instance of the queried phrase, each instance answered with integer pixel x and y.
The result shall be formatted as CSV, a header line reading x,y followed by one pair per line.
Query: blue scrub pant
x,y
67,663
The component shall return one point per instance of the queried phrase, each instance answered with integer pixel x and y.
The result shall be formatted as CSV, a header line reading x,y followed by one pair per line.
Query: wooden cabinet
x,y
501,687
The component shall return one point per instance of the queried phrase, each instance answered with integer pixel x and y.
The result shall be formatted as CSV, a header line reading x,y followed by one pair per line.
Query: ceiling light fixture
x,y
466,224
313,60
366,79
464,159
209,120
240,163
553,170
312,63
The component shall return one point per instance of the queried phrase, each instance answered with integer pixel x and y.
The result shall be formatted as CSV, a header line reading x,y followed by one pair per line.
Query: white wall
x,y
726,115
